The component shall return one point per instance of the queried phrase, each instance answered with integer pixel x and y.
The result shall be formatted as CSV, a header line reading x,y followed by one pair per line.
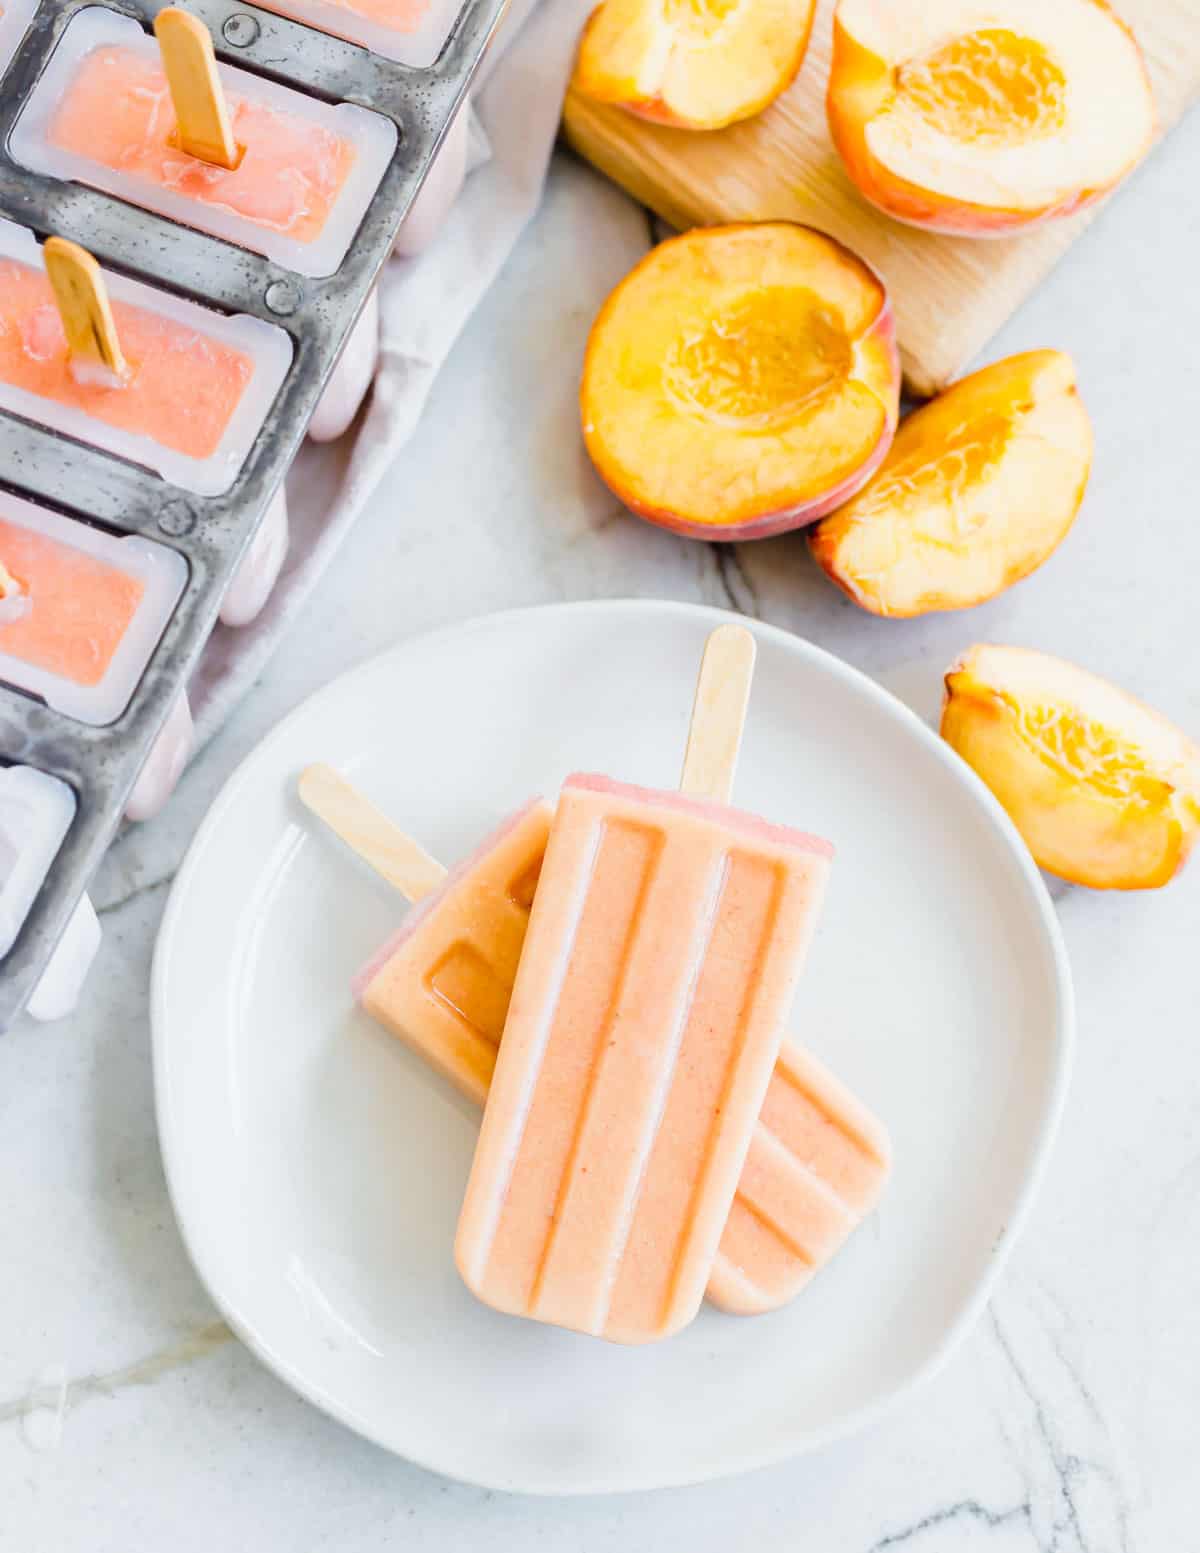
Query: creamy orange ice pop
x,y
443,982
84,606
184,386
663,949
197,386
411,31
817,1164
102,114
96,606
118,113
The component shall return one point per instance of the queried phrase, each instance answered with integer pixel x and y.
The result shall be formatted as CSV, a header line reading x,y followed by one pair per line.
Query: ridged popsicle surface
x,y
663,948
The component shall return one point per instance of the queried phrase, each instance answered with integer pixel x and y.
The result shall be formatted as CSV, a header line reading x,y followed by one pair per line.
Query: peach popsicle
x,y
198,386
97,605
102,115
818,1160
409,31
664,944
33,357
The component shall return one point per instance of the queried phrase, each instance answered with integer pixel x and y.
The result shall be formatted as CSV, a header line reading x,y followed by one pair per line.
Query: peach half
x,y
1105,792
979,117
980,485
695,64
741,381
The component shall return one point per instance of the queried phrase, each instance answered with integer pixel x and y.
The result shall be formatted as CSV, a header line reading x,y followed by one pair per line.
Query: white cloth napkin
x,y
424,304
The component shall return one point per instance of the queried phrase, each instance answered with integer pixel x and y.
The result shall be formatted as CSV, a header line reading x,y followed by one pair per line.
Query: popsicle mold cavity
x,y
165,763
413,32
98,605
101,115
36,811
443,184
200,383
664,943
57,993
259,568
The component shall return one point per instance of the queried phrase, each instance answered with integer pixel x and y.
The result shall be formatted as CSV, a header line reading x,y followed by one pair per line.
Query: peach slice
x,y
979,487
696,64
741,381
978,117
1105,791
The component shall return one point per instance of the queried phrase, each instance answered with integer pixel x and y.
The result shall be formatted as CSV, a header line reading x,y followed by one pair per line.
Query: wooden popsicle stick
x,y
81,296
202,124
718,714
393,855
14,601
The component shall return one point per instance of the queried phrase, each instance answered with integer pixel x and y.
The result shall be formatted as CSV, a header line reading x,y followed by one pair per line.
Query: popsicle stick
x,y
81,296
203,128
393,855
718,714
14,601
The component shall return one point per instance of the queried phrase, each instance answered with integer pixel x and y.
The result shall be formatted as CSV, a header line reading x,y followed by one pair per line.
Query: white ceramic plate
x,y
316,1167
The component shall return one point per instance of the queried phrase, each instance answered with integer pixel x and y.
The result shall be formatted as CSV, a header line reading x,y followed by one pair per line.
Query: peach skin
x,y
979,487
741,381
694,64
980,119
1105,791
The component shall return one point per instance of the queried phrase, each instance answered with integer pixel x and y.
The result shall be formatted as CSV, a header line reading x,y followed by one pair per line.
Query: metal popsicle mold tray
x,y
101,763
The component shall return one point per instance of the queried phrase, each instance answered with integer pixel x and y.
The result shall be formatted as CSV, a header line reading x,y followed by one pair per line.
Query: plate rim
x,y
615,1480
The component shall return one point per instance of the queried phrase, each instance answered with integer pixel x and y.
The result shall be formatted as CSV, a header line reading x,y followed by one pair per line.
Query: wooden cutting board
x,y
950,294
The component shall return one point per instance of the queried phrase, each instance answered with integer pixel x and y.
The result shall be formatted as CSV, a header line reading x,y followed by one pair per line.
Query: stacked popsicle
x,y
158,380
609,978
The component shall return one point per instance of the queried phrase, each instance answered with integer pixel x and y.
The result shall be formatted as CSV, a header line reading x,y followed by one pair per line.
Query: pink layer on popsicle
x,y
663,947
184,386
118,113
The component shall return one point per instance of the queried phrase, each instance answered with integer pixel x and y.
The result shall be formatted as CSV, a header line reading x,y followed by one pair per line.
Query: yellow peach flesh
x,y
695,64
979,487
990,86
1105,791
981,118
741,381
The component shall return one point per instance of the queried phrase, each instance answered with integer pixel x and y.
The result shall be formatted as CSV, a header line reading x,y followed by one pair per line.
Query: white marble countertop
x,y
1066,1422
